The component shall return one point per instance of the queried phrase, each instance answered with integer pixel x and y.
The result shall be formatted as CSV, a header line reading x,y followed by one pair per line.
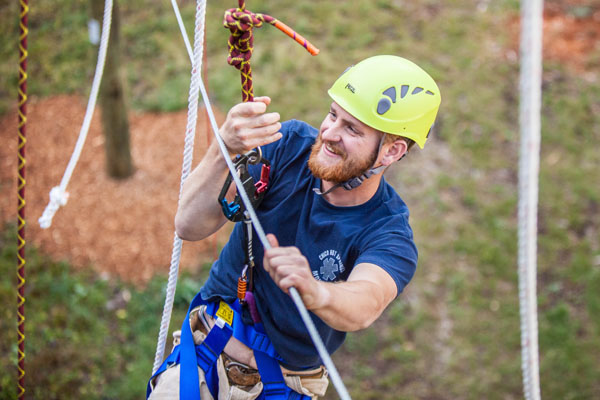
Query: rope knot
x,y
240,23
241,42
58,198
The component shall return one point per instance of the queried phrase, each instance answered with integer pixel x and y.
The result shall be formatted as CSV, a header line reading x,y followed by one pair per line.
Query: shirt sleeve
x,y
394,251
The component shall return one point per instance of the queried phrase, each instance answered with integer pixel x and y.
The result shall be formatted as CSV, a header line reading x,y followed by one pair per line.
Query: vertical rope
x,y
58,194
185,170
21,199
529,163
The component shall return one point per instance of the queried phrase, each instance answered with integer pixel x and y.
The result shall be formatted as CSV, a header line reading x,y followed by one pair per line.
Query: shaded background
x,y
96,279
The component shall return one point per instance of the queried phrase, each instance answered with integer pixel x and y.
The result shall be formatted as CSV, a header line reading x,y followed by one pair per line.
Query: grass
x,y
454,333
85,336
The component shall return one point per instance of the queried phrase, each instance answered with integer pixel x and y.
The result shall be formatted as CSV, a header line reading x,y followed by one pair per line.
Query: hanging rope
x,y
58,194
529,164
196,80
23,24
241,42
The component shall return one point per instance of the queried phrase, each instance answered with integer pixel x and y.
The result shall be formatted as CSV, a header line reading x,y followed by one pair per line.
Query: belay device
x,y
236,211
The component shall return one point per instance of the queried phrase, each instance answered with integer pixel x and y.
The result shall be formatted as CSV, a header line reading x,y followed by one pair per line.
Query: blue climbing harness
x,y
228,323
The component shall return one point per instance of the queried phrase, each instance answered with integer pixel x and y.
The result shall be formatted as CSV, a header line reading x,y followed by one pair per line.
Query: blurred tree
x,y
115,125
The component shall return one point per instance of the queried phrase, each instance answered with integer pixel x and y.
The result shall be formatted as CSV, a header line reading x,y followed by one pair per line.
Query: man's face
x,y
345,147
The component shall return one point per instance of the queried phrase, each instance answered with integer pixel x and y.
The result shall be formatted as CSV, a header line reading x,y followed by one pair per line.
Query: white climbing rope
x,y
190,133
58,194
196,61
529,164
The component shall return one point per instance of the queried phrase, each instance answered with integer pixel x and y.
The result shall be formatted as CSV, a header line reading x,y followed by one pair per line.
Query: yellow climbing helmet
x,y
391,94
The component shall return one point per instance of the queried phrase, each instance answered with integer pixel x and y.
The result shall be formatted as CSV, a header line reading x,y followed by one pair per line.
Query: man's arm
x,y
345,306
246,127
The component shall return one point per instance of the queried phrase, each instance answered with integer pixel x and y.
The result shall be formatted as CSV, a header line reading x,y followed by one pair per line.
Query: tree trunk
x,y
115,125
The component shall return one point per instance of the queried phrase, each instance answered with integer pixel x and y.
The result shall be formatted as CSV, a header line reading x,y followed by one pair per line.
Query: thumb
x,y
272,240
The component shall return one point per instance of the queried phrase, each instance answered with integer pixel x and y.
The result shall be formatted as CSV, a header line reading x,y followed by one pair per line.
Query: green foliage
x,y
85,336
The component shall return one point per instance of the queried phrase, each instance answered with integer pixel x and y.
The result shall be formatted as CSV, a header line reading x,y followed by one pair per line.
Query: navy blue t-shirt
x,y
333,239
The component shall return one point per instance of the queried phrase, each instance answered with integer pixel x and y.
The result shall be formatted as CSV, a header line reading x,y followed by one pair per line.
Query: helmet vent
x,y
383,106
403,91
391,93
417,90
429,92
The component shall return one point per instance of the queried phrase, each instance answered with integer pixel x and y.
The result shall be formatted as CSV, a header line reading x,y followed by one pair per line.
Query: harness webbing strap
x,y
189,382
205,355
252,336
211,348
270,375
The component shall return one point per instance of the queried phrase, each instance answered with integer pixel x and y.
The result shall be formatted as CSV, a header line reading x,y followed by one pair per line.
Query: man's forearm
x,y
345,307
199,214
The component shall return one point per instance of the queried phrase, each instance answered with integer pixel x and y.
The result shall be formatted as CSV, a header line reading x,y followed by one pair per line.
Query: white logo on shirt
x,y
331,268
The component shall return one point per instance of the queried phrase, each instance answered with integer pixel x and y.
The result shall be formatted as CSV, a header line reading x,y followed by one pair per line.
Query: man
x,y
339,233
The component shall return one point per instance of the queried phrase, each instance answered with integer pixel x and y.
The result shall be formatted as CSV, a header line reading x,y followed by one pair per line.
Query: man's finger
x,y
267,119
249,109
263,99
272,240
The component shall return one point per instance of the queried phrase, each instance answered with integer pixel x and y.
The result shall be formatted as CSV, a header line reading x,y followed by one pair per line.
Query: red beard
x,y
343,170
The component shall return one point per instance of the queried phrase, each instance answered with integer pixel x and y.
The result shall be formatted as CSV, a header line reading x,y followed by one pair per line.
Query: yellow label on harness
x,y
225,313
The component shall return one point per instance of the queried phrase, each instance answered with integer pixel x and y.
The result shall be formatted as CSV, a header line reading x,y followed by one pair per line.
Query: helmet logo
x,y
349,87
384,104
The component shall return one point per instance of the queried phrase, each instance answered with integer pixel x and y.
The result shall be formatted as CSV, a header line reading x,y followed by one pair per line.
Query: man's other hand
x,y
289,268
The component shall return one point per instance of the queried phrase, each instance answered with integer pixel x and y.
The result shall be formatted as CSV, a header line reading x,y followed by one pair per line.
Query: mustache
x,y
331,146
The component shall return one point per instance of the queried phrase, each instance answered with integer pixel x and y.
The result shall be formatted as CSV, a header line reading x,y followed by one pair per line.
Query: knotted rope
x,y
241,22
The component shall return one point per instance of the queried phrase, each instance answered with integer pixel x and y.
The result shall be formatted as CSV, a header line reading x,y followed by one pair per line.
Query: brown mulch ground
x,y
121,228
570,37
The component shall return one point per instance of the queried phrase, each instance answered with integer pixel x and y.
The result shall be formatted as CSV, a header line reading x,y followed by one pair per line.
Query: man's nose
x,y
332,132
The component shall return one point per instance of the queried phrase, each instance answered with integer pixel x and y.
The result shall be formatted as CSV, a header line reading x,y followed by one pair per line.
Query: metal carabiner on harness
x,y
234,211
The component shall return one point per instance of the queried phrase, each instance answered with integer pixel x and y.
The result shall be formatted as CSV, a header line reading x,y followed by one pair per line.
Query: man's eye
x,y
332,114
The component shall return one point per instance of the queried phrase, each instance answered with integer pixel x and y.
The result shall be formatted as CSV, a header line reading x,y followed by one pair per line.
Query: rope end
x,y
58,198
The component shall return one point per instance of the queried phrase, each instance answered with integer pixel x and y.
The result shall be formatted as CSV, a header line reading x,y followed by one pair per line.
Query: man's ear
x,y
393,151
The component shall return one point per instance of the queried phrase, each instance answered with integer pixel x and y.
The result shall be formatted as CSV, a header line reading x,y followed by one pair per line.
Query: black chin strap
x,y
354,182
